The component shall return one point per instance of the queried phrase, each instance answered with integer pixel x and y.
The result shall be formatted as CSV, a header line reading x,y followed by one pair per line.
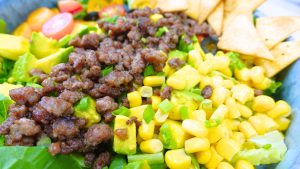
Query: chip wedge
x,y
206,7
274,30
193,10
285,54
241,36
172,5
215,19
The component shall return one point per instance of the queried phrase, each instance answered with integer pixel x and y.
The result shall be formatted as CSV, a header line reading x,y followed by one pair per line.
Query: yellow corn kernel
x,y
243,74
196,144
232,107
134,98
177,159
146,91
151,146
263,85
235,125
257,74
228,84
146,130
239,137
246,128
220,113
194,127
216,133
205,67
227,71
155,17
263,103
270,124
160,118
138,112
205,81
207,106
168,70
258,123
281,108
242,93
219,95
199,115
225,165
227,148
155,102
194,58
215,159
243,164
209,56
282,123
217,81
245,111
220,62
154,81
203,156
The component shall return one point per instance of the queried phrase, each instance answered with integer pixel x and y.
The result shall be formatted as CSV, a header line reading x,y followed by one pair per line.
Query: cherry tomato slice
x,y
70,6
58,26
112,10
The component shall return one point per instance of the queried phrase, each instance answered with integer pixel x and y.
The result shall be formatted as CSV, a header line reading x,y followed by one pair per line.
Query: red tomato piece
x,y
112,10
58,26
70,6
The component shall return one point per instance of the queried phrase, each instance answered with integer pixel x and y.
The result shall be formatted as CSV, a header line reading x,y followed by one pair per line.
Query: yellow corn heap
x,y
195,144
151,146
146,130
281,108
203,156
245,111
225,165
282,123
155,102
257,74
243,74
243,164
233,111
220,113
146,91
227,148
194,127
246,128
154,81
177,159
263,103
242,93
262,123
219,95
199,115
215,159
134,98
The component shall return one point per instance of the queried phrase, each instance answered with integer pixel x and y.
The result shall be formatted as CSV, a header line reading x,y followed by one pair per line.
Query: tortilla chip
x,y
206,7
241,36
172,5
285,54
215,19
193,10
274,30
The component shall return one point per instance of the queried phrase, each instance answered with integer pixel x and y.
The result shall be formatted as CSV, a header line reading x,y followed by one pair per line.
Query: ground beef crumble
x,y
128,45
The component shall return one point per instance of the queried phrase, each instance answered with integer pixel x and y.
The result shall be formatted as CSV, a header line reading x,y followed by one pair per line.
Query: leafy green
x,y
118,162
83,104
195,163
5,68
121,111
37,157
44,141
235,61
271,149
178,54
149,70
148,114
183,46
161,31
273,88
63,42
112,19
107,70
79,15
2,26
4,104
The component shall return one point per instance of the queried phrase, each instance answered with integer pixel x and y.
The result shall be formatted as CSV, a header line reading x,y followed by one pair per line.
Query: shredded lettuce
x,y
235,61
5,68
270,149
273,88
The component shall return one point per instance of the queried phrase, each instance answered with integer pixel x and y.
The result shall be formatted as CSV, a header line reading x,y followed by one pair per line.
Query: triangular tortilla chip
x,y
193,10
241,36
206,7
274,30
215,19
285,54
172,5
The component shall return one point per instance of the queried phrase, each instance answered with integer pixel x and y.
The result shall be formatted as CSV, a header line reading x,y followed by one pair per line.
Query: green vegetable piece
x,y
127,146
121,111
156,158
137,165
148,114
86,108
149,70
112,19
61,56
212,123
118,162
34,85
44,141
2,26
161,31
158,166
183,46
79,15
165,106
80,30
4,104
273,88
178,54
41,46
195,163
22,67
107,70
184,112
272,153
63,42
37,157
6,67
11,47
235,61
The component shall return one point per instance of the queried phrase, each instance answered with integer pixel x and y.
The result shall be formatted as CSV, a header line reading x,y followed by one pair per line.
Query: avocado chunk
x,y
22,67
61,56
137,165
41,46
178,54
86,108
6,87
79,29
12,47
125,146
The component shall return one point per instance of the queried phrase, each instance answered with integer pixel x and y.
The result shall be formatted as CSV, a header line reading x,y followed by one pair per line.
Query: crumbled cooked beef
x,y
102,160
176,63
40,115
4,127
54,148
98,133
166,92
56,106
71,96
121,133
41,76
207,92
25,95
106,104
135,120
65,128
156,57
258,92
89,159
108,117
89,41
49,85
71,145
118,78
17,111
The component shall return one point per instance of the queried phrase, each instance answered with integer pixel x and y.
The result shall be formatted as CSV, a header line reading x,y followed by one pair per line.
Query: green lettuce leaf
x,y
235,61
271,149
37,157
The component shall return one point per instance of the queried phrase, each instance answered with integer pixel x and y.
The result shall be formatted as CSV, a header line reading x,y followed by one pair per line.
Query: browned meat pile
x,y
129,45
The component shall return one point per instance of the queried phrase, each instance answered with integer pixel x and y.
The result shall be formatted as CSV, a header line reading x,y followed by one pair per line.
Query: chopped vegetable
x,y
273,88
111,11
107,70
235,61
70,6
161,31
39,17
148,114
149,70
121,111
117,162
2,26
86,108
157,158
165,106
5,69
184,112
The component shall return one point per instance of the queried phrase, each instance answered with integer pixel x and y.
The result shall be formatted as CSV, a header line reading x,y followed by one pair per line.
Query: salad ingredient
x,y
134,98
2,26
177,159
11,47
243,164
209,44
137,165
23,30
215,19
205,8
5,69
227,148
225,165
91,16
246,128
194,127
6,87
117,162
146,130
151,146
58,26
154,81
133,4
215,159
195,144
127,146
22,67
46,63
70,6
172,6
281,109
39,17
86,108
41,46
193,9
95,5
111,11
263,103
156,158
